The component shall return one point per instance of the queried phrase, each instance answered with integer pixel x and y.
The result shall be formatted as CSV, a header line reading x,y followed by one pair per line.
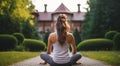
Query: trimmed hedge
x,y
116,40
110,34
95,44
19,48
20,37
34,45
7,42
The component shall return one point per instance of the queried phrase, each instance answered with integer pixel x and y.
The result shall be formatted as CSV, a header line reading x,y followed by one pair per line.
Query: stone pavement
x,y
84,60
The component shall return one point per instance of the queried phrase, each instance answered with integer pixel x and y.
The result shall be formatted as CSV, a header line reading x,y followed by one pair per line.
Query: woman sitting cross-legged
x,y
61,40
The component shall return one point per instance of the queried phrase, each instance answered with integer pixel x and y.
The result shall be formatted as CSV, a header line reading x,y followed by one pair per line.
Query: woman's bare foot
x,y
43,62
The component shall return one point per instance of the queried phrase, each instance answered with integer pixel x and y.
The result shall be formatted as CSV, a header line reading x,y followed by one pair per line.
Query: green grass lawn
x,y
7,58
110,57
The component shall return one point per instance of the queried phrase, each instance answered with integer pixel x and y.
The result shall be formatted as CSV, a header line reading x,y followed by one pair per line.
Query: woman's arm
x,y
72,43
49,44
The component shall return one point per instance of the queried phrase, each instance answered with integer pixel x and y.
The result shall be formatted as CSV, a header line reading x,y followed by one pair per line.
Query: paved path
x,y
84,60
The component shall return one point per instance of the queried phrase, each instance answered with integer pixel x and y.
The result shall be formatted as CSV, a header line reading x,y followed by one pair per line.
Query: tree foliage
x,y
77,37
27,29
12,14
46,37
116,39
101,17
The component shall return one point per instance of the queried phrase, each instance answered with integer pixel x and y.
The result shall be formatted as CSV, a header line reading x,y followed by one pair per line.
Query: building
x,y
46,20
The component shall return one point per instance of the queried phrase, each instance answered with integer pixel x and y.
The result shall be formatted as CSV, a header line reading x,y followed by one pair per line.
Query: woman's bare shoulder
x,y
69,37
52,37
53,33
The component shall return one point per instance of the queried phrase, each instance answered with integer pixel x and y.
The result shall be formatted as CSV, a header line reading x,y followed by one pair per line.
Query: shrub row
x,y
7,42
116,40
95,44
34,45
19,48
16,42
110,42
110,34
115,36
20,37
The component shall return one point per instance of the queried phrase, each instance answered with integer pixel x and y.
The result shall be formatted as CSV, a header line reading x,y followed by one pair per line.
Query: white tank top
x,y
61,53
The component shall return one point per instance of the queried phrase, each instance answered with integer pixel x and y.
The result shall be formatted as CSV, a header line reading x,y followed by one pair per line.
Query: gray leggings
x,y
50,61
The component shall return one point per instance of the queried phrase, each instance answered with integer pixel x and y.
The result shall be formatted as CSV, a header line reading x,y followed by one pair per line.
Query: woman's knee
x,y
42,54
75,58
79,55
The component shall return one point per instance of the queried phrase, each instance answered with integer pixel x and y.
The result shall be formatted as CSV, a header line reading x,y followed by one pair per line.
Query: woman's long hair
x,y
62,28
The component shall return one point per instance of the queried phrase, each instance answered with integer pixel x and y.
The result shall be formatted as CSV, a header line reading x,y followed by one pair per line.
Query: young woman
x,y
60,41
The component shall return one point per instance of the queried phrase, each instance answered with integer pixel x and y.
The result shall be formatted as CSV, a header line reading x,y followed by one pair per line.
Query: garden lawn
x,y
7,58
110,57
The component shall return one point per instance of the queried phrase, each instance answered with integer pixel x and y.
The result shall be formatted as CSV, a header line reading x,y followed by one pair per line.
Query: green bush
x,y
37,36
27,29
45,39
110,34
20,37
7,42
77,36
34,45
95,44
19,48
116,40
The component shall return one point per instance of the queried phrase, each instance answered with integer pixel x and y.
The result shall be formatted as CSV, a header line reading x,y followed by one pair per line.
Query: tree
x,y
12,15
46,36
77,37
36,34
89,20
27,29
101,18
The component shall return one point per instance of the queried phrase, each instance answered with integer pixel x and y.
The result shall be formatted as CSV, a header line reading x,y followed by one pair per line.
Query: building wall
x,y
43,25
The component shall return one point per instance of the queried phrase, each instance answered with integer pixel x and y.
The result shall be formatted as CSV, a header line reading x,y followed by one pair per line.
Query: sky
x,y
52,5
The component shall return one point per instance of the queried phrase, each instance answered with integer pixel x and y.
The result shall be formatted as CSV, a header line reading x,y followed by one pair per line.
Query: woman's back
x,y
61,52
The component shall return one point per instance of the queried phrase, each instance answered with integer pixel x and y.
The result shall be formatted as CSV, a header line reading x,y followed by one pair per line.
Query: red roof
x,y
47,16
62,8
79,16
